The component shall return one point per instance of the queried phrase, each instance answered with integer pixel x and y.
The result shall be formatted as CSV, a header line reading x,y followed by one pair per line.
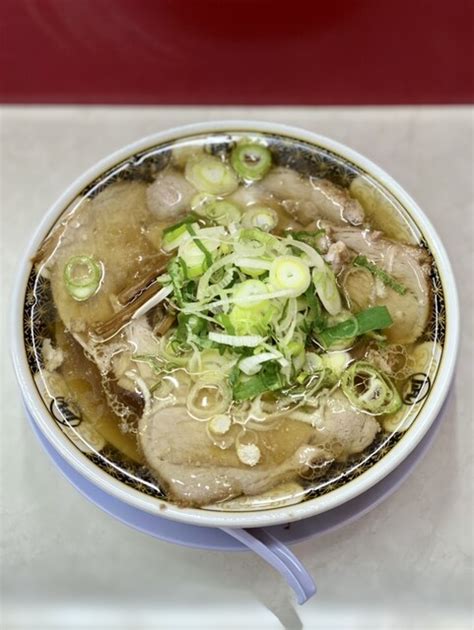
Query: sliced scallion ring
x,y
82,277
221,211
253,266
252,320
196,251
210,175
290,272
200,200
251,161
369,390
261,217
252,242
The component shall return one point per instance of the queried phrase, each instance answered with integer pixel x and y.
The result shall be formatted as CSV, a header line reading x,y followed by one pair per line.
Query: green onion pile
x,y
268,305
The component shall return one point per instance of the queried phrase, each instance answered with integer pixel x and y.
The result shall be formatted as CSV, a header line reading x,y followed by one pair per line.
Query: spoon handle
x,y
279,557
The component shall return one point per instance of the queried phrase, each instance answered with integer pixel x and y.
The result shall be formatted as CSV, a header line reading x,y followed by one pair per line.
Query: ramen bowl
x,y
424,389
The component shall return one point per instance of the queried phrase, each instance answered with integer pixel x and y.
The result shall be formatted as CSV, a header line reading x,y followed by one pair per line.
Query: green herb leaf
x,y
234,375
189,291
267,380
387,279
310,238
190,324
176,274
224,321
317,318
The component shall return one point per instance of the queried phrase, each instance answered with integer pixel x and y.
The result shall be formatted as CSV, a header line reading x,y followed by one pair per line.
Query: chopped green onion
x,y
247,320
226,323
196,251
200,200
234,376
317,319
251,161
189,291
326,287
290,272
184,268
261,217
311,238
313,362
210,175
177,274
175,234
252,365
254,242
323,277
190,324
214,360
200,244
260,327
312,382
295,348
223,279
341,334
227,300
387,279
237,341
189,218
369,390
205,280
253,266
249,288
336,362
221,212
172,351
267,380
82,277
374,318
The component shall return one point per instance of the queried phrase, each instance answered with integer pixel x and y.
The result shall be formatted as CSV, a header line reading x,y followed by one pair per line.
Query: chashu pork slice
x,y
309,199
342,429
111,229
169,196
194,471
407,264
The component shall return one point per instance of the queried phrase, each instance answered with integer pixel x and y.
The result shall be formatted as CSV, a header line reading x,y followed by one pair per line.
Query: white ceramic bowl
x,y
350,489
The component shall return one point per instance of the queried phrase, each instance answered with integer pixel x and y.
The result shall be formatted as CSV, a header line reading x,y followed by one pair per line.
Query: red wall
x,y
237,51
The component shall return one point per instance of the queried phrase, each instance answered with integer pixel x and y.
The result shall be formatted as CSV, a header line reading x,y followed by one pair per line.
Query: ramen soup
x,y
234,321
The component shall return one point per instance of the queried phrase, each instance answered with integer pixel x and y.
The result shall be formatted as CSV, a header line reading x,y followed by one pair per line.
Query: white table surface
x,y
406,565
